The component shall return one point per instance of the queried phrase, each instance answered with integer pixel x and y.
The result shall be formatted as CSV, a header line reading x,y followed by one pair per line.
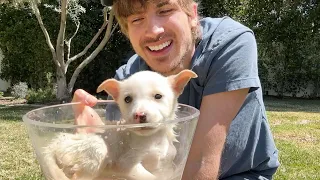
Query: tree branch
x,y
68,43
61,35
91,42
36,11
115,27
94,53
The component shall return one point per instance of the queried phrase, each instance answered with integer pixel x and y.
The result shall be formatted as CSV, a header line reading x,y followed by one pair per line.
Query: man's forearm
x,y
208,161
209,170
216,114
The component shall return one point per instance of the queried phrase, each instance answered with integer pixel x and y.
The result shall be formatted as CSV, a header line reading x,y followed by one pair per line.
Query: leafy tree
x,y
287,33
61,51
24,50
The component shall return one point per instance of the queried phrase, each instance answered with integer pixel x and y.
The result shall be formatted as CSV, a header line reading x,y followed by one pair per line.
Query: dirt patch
x,y
306,121
297,138
12,101
276,122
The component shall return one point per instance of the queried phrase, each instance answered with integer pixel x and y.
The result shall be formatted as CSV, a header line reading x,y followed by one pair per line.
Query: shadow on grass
x,y
13,113
292,105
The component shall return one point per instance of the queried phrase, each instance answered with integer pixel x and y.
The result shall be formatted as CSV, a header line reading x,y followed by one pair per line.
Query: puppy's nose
x,y
140,117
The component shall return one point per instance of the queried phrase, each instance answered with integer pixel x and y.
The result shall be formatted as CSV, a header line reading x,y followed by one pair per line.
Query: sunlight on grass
x,y
16,153
297,162
296,128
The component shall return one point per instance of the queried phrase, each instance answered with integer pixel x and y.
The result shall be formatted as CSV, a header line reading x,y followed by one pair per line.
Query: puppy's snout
x,y
140,117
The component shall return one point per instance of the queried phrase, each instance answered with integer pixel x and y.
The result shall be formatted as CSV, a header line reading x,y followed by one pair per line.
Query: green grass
x,y
17,160
295,125
296,128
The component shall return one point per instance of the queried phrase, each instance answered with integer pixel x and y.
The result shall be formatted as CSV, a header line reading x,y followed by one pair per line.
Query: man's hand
x,y
84,114
216,114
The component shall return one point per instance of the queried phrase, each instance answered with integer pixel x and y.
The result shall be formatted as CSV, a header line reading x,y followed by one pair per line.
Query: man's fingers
x,y
89,117
84,97
84,114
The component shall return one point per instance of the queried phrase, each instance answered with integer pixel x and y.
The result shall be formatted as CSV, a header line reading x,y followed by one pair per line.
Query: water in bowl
x,y
45,123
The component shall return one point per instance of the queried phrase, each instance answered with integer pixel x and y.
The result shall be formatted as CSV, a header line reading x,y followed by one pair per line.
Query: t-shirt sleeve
x,y
234,66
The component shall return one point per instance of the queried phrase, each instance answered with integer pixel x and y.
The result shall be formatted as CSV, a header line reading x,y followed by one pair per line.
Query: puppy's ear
x,y
180,80
111,86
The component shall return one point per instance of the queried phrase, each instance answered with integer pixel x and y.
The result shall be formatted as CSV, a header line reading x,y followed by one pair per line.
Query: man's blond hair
x,y
124,8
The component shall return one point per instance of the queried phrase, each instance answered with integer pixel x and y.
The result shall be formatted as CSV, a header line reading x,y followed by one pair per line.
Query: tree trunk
x,y
62,91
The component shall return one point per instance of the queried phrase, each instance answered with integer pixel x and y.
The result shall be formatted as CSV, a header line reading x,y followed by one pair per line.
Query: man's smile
x,y
160,49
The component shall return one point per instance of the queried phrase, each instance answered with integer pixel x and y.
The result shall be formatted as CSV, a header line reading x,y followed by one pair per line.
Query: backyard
x,y
295,125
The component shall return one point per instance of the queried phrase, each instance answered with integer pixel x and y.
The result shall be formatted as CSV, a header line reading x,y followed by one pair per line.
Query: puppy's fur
x,y
136,153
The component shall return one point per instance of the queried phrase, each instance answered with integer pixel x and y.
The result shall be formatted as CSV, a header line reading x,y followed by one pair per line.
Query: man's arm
x,y
216,114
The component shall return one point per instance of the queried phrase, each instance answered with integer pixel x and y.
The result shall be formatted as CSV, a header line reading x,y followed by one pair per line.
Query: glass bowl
x,y
46,123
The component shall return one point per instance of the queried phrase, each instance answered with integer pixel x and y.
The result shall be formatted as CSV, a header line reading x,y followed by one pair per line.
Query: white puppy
x,y
141,153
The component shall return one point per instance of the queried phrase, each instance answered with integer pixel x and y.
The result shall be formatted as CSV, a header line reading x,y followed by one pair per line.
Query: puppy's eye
x,y
128,99
158,96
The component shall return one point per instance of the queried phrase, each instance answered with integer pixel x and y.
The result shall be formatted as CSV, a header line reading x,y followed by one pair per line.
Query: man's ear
x,y
194,18
111,86
180,80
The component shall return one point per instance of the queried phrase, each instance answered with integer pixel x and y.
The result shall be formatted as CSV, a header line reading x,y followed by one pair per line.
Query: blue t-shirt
x,y
226,59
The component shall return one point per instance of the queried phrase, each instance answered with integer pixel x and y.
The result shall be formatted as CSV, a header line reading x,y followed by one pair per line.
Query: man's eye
x,y
167,11
137,20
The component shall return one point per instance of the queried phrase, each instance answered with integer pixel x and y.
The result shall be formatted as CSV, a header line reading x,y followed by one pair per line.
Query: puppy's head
x,y
147,97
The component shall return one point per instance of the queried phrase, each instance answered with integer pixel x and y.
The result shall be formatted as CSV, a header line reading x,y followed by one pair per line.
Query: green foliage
x,y
1,94
45,95
108,60
219,8
26,55
40,95
28,58
288,35
287,32
105,64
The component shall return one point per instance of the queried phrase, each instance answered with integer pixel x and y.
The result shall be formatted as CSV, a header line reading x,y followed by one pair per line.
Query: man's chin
x,y
170,70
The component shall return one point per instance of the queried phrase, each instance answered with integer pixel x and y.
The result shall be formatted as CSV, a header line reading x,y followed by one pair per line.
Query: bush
x,y
20,90
40,95
45,95
1,94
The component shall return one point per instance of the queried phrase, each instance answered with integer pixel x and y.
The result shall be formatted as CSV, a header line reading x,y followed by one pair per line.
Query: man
x,y
233,139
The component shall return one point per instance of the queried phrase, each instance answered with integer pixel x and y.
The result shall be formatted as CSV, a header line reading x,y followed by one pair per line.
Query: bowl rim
x,y
27,120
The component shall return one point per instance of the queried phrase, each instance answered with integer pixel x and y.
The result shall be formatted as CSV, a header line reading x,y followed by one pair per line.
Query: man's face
x,y
161,34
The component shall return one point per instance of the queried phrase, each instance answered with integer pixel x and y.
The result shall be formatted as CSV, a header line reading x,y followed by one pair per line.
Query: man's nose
x,y
154,28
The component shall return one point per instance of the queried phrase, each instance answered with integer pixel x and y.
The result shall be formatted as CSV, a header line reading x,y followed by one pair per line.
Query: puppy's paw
x,y
83,155
139,172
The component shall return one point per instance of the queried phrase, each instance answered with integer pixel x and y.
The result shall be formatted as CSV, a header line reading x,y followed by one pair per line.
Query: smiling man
x,y
161,35
233,138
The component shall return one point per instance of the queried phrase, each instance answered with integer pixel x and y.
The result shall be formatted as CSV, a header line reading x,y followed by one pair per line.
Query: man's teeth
x,y
159,47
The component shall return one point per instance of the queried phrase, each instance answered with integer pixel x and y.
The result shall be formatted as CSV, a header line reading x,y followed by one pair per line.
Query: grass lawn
x,y
296,128
16,155
295,125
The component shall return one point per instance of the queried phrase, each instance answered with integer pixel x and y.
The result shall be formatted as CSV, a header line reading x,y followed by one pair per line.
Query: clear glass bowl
x,y
45,123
